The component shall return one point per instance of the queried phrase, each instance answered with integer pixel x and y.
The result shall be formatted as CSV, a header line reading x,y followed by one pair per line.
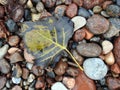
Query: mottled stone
x,y
2,82
115,68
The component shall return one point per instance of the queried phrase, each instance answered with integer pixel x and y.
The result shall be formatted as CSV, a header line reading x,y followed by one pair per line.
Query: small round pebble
x,y
40,7
58,86
95,68
16,80
79,22
31,77
97,24
97,9
13,40
16,87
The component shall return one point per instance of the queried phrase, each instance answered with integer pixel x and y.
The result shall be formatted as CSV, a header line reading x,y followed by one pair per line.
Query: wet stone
x,y
95,68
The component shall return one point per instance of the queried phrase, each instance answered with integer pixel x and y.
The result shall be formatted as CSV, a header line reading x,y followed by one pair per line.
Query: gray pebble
x,y
58,86
31,78
118,2
89,49
95,68
16,80
29,66
83,12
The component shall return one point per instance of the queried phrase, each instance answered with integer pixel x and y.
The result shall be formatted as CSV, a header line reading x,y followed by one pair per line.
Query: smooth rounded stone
x,y
71,10
11,25
8,84
58,78
16,87
97,24
95,39
95,68
17,71
31,77
106,3
104,14
79,35
25,73
60,67
60,10
22,2
115,68
35,17
116,50
27,14
13,40
58,86
13,50
4,66
16,57
89,49
107,46
114,28
2,82
113,10
4,2
37,70
113,83
2,11
88,35
97,9
16,80
39,83
39,7
29,65
83,82
3,50
72,71
109,58
49,3
83,12
88,4
78,2
69,82
118,2
79,22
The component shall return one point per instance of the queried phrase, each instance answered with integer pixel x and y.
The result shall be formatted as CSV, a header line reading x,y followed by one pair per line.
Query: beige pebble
x,y
29,4
97,9
35,17
13,50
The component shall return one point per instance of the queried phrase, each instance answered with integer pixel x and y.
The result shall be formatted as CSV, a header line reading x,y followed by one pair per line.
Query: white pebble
x,y
29,65
31,78
79,22
16,80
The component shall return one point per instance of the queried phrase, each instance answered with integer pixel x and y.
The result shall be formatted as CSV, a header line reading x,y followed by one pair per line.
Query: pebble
x,y
95,68
58,86
109,58
49,3
13,40
113,10
107,46
95,39
83,12
22,2
27,14
13,50
17,71
29,65
25,73
67,2
3,51
89,49
16,87
60,10
40,7
58,78
2,11
31,77
106,3
79,35
4,2
71,10
88,34
16,80
28,57
97,24
84,83
118,2
2,81
97,9
69,82
91,3
29,4
114,28
72,71
115,68
113,83
11,25
104,14
4,66
116,50
39,83
78,57
60,67
37,70
16,57
78,2
35,17
79,22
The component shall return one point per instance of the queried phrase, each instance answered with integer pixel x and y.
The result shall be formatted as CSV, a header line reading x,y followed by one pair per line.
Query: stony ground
x,y
95,45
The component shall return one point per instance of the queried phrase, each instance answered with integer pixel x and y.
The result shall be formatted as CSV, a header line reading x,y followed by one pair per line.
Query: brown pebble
x,y
60,67
37,70
2,82
16,87
97,24
78,2
106,3
13,50
25,73
71,10
58,78
16,57
17,71
79,35
2,11
13,40
88,34
72,71
115,68
40,83
116,50
83,82
113,83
